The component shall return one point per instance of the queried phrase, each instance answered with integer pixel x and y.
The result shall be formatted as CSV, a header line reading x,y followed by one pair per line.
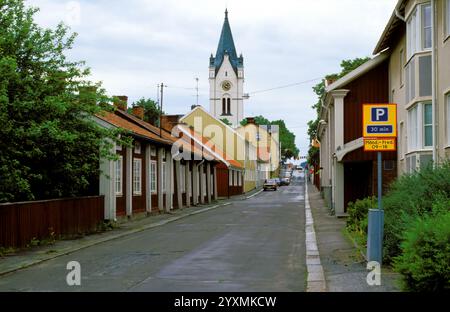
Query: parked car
x,y
278,180
285,181
270,184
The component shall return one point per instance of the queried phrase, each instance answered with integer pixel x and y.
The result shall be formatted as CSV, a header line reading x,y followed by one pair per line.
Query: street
x,y
251,245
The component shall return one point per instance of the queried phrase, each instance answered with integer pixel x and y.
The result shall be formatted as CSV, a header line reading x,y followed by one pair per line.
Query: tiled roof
x,y
120,122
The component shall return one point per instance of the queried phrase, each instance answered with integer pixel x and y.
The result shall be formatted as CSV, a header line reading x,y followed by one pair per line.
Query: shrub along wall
x,y
416,248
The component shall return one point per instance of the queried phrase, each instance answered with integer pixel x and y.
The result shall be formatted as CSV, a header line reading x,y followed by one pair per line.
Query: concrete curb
x,y
316,277
110,238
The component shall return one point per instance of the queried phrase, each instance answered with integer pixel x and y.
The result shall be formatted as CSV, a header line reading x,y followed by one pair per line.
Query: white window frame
x,y
424,28
118,177
230,177
137,176
137,147
153,177
153,151
413,130
424,125
416,128
415,31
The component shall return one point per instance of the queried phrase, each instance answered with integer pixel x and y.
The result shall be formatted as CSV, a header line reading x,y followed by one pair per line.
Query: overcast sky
x,y
133,45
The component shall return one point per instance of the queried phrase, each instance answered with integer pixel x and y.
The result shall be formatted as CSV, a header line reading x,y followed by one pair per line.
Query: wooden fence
x,y
20,223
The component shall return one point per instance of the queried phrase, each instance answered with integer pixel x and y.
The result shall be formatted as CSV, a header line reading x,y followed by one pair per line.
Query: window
x,y
119,170
153,151
137,176
419,30
402,67
228,106
428,125
426,27
230,178
413,135
447,18
420,127
388,165
224,107
410,81
164,177
226,74
448,118
137,148
153,177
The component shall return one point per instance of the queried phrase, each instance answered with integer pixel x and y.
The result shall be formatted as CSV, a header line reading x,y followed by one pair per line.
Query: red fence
x,y
22,222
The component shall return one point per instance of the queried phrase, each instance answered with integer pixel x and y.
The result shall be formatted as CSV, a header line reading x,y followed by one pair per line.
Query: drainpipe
x,y
433,81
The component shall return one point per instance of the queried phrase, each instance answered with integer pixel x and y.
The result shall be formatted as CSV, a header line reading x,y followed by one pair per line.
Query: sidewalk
x,y
343,264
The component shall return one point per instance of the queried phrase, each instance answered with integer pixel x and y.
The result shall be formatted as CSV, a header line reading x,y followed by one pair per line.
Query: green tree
x,y
226,121
152,111
50,144
287,138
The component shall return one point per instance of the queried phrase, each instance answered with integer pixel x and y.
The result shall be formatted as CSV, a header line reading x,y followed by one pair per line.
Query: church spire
x,y
226,46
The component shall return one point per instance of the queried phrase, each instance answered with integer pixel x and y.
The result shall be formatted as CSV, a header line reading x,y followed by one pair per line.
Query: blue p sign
x,y
380,114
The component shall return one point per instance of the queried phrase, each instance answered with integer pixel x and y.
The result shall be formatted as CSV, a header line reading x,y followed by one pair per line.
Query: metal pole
x,y
380,181
161,109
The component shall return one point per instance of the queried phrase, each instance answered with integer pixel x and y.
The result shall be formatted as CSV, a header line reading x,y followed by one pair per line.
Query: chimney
x,y
251,120
329,80
121,102
170,121
138,112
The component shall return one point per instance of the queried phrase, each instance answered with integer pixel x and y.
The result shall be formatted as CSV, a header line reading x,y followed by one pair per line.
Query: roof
x,y
220,122
394,23
358,72
226,47
209,147
118,121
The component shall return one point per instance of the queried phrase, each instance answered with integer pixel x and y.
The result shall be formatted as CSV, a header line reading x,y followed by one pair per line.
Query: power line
x,y
287,86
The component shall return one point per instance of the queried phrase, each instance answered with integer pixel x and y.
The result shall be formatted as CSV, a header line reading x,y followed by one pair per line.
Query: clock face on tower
x,y
226,85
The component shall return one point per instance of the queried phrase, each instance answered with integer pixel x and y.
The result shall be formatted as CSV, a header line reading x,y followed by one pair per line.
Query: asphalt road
x,y
252,245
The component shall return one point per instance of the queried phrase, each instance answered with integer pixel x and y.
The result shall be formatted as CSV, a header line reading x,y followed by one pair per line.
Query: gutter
x,y
435,110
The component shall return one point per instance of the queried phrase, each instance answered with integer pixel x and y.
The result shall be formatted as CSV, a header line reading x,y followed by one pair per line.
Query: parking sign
x,y
379,120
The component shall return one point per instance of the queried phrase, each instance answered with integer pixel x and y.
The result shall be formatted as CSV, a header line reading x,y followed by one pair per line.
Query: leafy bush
x,y
357,221
411,197
425,259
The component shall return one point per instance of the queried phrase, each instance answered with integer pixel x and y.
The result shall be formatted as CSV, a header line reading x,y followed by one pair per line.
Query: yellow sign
x,y
379,145
380,120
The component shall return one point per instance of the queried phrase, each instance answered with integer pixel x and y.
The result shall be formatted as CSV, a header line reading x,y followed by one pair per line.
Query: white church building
x,y
226,79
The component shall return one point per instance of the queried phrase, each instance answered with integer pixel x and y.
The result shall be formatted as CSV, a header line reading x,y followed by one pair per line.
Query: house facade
x,y
347,172
228,140
417,39
148,177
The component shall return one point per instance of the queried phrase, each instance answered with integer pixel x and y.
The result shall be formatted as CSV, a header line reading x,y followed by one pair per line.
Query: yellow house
x,y
265,139
228,140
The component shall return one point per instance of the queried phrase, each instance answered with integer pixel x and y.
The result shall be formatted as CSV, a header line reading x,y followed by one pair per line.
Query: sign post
x,y
379,133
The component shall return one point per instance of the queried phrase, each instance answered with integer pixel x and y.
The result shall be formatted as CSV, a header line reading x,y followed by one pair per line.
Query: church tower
x,y
226,79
